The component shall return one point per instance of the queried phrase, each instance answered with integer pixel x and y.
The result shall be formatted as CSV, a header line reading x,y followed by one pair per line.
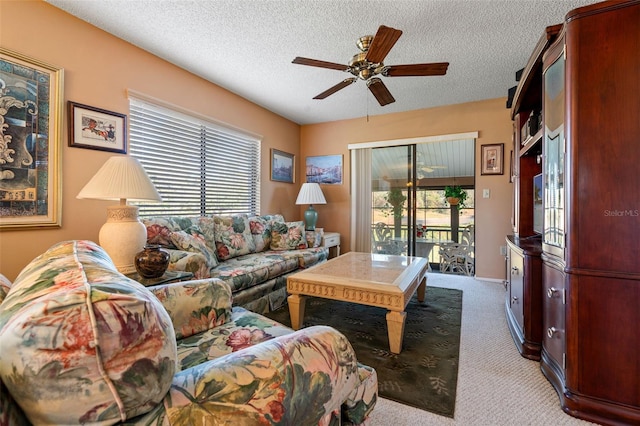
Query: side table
x,y
331,240
168,277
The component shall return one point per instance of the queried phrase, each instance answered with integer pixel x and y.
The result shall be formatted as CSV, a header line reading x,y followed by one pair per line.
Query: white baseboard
x,y
493,280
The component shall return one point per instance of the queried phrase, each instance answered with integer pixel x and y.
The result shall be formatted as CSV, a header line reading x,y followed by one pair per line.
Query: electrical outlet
x,y
485,193
503,250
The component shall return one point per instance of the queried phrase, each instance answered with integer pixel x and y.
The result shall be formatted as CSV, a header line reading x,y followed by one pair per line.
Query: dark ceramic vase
x,y
152,261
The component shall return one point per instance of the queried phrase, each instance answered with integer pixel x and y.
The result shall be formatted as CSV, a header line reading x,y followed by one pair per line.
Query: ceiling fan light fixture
x,y
365,74
364,42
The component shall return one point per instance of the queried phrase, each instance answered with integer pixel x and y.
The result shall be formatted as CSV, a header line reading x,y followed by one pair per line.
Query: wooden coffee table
x,y
368,279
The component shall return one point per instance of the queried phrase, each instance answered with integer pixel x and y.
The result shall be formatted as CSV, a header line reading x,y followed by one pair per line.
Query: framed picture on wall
x,y
31,110
282,166
324,169
492,159
96,128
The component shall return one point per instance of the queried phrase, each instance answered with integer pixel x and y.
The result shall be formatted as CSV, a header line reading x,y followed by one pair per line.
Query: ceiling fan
x,y
368,65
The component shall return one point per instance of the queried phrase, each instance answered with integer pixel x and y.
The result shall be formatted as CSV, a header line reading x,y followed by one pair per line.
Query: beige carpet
x,y
496,386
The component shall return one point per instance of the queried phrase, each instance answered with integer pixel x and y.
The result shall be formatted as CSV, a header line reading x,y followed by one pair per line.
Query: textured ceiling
x,y
247,46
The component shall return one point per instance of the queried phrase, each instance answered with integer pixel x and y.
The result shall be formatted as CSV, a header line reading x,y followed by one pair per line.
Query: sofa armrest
x,y
188,261
195,306
300,378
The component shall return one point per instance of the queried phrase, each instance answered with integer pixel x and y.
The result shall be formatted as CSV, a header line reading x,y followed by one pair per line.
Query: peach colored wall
x,y
101,79
98,70
490,118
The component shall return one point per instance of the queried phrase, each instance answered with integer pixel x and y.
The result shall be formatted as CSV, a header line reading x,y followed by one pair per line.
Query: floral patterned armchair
x,y
81,343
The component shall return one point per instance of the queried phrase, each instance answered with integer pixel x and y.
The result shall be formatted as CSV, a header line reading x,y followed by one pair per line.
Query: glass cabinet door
x,y
553,157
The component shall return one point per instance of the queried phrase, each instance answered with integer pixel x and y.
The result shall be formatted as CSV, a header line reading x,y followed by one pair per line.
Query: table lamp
x,y
310,193
123,235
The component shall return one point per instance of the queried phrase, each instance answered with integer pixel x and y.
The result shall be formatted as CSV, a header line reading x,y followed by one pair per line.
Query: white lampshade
x,y
123,235
121,178
310,193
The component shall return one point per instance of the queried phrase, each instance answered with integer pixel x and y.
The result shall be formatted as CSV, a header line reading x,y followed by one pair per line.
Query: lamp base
x,y
123,236
310,218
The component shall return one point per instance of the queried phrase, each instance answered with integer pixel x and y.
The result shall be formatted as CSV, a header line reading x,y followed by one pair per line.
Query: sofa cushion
x,y
232,236
193,240
82,343
195,306
244,329
288,236
247,271
308,257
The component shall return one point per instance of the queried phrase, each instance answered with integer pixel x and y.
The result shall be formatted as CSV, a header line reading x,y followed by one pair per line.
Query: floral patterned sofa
x,y
254,255
82,343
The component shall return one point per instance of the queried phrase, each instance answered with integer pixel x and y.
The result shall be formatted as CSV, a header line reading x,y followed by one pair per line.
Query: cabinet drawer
x,y
516,294
331,240
553,322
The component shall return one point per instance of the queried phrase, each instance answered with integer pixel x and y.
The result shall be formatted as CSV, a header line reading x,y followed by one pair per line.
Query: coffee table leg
x,y
422,288
296,310
395,329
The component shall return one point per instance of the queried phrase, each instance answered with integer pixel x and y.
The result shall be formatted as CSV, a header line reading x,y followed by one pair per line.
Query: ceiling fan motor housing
x,y
360,67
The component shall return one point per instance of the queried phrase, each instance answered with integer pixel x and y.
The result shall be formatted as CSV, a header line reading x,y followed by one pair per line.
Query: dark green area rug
x,y
425,374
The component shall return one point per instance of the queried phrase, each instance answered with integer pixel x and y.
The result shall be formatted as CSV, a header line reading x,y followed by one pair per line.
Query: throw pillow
x,y
288,236
314,238
207,226
233,236
194,241
159,230
260,232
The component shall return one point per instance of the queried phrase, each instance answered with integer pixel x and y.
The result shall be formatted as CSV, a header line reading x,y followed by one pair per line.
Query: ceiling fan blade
x,y
320,64
380,91
385,39
416,70
334,89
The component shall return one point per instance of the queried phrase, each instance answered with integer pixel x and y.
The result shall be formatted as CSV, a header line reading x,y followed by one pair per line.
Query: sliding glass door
x,y
409,212
393,195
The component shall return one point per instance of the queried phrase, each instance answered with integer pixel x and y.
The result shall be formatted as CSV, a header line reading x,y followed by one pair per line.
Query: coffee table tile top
x,y
367,270
385,281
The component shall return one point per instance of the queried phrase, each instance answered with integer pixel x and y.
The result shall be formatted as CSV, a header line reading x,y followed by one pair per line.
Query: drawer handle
x,y
514,270
551,331
551,292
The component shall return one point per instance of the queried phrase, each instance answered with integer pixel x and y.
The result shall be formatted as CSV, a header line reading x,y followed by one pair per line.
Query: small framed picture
x,y
324,169
96,128
282,166
492,159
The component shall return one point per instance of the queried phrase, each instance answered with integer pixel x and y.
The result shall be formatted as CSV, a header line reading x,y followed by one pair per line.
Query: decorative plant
x,y
457,192
395,198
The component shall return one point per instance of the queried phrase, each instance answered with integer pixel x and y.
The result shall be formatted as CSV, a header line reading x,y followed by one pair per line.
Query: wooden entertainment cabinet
x,y
523,303
582,299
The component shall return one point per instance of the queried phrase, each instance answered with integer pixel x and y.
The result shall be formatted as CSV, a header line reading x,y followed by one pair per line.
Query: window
x,y
199,167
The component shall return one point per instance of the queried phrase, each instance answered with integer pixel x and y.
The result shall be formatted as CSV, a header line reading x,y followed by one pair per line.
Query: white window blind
x,y
198,167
